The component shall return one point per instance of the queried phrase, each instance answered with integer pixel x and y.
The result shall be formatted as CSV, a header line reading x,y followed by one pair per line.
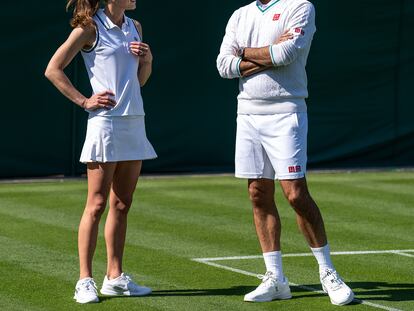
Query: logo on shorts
x,y
276,17
295,169
300,31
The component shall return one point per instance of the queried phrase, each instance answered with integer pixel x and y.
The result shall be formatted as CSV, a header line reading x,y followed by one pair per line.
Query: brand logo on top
x,y
295,169
276,17
299,31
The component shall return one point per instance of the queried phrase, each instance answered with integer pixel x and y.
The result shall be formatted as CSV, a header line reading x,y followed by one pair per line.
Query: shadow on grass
x,y
233,291
383,291
239,291
379,291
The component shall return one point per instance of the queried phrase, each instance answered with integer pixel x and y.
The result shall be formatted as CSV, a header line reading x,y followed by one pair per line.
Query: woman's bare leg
x,y
124,182
99,182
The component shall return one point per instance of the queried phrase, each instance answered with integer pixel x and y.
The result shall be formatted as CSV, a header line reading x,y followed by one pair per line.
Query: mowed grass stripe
x,y
175,219
160,221
199,221
36,262
7,302
33,290
145,230
395,204
60,267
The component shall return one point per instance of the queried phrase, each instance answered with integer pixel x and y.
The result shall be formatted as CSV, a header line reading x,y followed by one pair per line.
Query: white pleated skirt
x,y
114,139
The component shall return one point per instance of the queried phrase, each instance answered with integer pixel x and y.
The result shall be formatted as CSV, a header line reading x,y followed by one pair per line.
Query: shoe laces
x,y
89,285
332,279
267,279
127,277
129,282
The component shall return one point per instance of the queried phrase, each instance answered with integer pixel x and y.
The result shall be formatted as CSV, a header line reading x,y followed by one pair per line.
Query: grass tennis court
x,y
177,219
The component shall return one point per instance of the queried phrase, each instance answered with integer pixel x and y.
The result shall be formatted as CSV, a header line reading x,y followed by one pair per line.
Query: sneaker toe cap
x,y
86,299
141,291
343,297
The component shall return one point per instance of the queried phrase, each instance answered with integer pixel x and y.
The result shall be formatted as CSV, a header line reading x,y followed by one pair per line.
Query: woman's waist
x,y
123,108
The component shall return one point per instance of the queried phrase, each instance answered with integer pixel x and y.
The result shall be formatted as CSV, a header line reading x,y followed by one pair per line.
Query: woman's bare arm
x,y
143,51
78,39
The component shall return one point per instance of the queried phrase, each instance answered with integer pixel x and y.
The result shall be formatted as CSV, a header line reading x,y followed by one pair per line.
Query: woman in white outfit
x,y
118,65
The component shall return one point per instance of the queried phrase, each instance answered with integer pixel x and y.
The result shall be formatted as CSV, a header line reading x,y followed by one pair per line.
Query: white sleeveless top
x,y
111,66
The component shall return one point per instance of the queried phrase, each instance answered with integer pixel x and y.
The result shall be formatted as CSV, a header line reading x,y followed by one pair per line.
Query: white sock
x,y
273,262
323,256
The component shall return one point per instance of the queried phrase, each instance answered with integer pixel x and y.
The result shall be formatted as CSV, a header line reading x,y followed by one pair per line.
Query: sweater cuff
x,y
236,67
273,51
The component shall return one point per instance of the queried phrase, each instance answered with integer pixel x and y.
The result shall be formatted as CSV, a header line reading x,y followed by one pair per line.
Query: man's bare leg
x,y
266,218
308,216
310,222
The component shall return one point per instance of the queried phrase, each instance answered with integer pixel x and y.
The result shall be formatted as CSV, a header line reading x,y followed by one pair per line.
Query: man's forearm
x,y
259,56
248,68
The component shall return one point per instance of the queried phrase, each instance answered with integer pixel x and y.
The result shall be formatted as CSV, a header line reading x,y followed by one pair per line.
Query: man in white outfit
x,y
266,46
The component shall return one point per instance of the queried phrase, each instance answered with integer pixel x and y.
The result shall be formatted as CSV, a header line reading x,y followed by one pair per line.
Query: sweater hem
x,y
271,106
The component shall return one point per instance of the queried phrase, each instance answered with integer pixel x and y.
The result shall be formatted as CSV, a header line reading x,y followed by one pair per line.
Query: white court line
x,y
308,288
404,254
208,261
395,251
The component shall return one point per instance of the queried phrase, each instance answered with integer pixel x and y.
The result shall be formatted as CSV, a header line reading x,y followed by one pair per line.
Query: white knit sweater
x,y
282,88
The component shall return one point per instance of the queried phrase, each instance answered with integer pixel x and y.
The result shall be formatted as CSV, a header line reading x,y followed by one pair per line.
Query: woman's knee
x,y
121,205
96,205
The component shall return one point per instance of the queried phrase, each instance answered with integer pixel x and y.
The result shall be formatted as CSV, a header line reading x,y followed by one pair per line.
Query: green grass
x,y
176,219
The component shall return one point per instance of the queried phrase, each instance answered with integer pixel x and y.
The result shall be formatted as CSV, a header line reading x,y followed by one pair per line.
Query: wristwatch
x,y
240,52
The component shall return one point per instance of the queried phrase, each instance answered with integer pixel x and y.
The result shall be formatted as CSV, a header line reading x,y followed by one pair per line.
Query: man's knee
x,y
297,194
301,201
297,198
260,195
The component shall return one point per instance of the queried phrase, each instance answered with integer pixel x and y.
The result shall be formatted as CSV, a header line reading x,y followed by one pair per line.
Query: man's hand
x,y
261,56
284,37
258,59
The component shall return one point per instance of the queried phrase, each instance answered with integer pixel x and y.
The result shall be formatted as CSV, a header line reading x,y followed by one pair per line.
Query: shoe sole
x,y
268,300
108,292
95,300
349,300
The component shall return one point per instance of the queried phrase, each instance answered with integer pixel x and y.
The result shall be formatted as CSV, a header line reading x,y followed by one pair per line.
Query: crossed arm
x,y
255,60
233,64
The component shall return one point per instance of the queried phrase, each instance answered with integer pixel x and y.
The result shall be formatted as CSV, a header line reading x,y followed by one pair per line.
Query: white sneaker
x,y
123,286
332,284
270,289
85,291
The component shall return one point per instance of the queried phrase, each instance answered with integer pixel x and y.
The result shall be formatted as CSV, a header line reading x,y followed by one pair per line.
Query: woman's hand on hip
x,y
101,100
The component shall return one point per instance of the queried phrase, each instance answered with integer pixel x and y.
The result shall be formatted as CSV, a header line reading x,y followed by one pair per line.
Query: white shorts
x,y
113,139
271,146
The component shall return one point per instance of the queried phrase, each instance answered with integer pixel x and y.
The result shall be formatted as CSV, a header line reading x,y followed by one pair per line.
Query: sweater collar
x,y
264,7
